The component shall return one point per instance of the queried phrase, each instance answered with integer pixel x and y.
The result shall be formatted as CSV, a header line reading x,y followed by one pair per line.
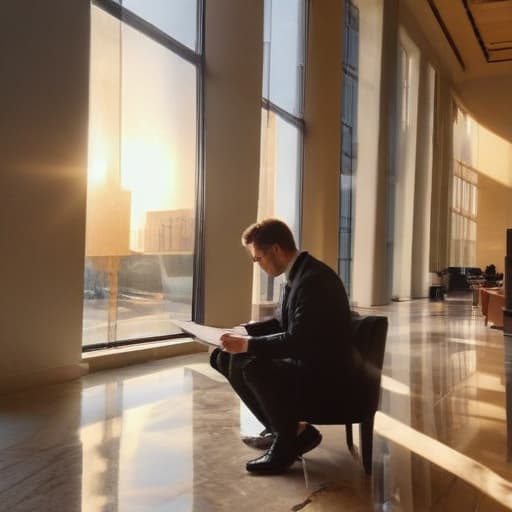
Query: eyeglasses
x,y
257,259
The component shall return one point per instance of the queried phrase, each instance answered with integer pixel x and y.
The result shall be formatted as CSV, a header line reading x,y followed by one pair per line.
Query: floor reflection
x,y
165,436
441,440
508,386
132,429
400,446
40,450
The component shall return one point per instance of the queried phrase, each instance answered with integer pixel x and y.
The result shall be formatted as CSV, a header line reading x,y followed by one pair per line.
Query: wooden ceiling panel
x,y
492,23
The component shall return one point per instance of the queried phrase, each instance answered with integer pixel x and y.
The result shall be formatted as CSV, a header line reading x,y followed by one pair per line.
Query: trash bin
x,y
476,295
475,283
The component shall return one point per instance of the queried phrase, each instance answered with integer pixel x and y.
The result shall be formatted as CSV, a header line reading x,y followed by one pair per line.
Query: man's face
x,y
269,259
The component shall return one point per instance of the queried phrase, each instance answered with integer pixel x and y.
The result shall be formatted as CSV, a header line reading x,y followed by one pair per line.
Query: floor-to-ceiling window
x,y
349,142
463,216
145,73
464,204
282,127
480,194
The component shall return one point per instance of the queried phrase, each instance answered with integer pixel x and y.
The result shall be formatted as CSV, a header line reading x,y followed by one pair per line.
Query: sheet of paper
x,y
210,335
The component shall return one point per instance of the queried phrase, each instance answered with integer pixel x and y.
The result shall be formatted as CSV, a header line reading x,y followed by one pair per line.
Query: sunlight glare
x,y
148,171
97,171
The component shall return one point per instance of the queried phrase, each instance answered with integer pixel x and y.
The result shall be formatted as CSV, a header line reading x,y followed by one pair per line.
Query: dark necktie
x,y
284,307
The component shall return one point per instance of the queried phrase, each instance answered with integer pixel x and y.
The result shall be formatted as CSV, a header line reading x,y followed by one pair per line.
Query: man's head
x,y
271,244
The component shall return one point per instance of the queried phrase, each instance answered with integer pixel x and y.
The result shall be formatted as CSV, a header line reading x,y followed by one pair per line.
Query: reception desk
x,y
492,302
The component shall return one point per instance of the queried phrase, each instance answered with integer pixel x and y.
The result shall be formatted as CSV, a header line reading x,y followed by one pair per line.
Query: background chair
x,y
458,277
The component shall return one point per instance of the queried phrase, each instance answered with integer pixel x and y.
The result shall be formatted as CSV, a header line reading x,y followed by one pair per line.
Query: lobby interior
x,y
150,426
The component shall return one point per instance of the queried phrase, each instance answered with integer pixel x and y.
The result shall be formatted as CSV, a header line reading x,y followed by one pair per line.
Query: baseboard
x,y
42,377
100,360
137,354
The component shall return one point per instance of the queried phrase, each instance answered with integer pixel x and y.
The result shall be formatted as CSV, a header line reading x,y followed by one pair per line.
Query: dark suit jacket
x,y
317,319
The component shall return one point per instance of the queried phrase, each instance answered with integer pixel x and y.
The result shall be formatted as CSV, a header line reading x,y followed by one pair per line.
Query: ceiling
x,y
472,42
492,25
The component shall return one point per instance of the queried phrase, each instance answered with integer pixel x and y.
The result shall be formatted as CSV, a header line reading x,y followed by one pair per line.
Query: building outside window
x,y
282,129
143,167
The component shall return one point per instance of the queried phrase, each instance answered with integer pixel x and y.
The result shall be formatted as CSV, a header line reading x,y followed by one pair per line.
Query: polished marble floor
x,y
164,436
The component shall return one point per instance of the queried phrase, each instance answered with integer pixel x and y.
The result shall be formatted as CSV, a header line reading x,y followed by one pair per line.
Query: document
x,y
205,334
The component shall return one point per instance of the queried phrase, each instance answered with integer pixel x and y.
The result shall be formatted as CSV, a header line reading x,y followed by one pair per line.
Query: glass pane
x,y
280,162
177,18
348,142
141,186
280,170
266,48
472,231
111,239
285,31
287,174
279,182
474,201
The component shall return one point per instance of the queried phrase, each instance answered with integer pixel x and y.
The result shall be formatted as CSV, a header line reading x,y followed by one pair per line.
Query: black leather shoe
x,y
308,439
213,358
263,441
282,454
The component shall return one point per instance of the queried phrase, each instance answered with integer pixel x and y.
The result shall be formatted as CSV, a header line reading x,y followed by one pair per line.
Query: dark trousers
x,y
270,388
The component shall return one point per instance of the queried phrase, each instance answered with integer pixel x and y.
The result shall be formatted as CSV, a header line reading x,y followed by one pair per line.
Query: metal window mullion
x,y
283,114
141,25
199,248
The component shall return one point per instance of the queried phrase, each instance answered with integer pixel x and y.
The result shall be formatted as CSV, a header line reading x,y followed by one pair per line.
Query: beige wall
x,y
493,156
442,162
234,48
494,214
405,163
43,151
420,278
494,217
489,101
322,115
377,61
368,113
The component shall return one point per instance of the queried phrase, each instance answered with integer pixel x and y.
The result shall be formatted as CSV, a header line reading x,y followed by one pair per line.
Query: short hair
x,y
268,232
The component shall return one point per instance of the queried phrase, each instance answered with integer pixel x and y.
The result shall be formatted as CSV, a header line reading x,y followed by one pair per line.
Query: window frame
x,y
197,59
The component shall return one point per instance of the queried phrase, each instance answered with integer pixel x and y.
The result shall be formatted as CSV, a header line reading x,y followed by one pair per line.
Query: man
x,y
298,364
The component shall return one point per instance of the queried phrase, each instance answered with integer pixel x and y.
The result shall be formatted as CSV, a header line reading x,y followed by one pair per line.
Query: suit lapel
x,y
291,286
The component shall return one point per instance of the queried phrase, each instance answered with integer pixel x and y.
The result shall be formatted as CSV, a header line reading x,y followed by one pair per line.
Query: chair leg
x,y
350,439
366,442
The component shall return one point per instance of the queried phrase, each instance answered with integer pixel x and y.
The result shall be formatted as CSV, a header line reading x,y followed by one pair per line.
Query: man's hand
x,y
234,344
